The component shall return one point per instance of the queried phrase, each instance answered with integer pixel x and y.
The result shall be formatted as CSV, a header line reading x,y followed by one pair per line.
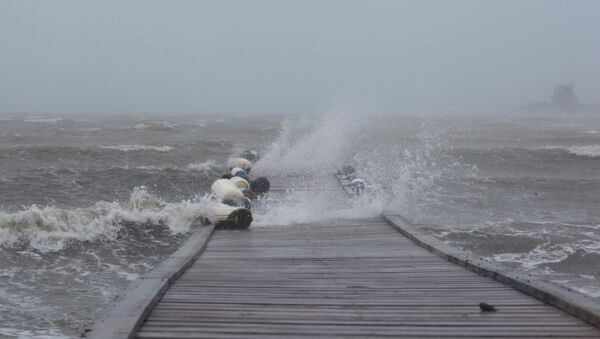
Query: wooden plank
x,y
341,278
204,320
279,283
565,299
547,331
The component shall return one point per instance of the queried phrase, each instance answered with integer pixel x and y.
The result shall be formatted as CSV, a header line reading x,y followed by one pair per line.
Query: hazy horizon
x,y
120,120
269,57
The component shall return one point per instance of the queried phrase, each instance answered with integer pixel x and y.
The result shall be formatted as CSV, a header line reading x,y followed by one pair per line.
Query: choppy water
x,y
523,192
89,204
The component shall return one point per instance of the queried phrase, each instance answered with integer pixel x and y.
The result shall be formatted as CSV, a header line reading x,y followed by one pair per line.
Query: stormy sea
x,y
90,203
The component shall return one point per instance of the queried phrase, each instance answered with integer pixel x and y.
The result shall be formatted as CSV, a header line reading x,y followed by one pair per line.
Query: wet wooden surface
x,y
342,278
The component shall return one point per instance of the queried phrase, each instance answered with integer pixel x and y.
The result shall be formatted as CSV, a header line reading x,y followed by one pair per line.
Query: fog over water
x,y
277,57
117,116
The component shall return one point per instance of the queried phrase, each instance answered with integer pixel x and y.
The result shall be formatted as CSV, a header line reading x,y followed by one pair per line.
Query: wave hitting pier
x,y
340,278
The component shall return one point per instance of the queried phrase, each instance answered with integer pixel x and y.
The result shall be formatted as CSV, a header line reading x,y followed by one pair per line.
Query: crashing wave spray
x,y
306,146
50,229
311,150
403,169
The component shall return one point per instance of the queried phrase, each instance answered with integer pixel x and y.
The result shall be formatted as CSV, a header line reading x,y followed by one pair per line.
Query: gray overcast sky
x,y
293,56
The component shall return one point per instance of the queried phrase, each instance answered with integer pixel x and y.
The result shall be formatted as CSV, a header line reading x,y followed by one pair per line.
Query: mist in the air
x,y
273,57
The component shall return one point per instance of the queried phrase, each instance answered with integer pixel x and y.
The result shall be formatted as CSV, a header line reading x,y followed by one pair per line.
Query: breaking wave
x,y
311,205
207,166
43,120
156,126
73,151
418,175
45,151
130,148
531,246
548,254
50,229
591,151
404,177
306,145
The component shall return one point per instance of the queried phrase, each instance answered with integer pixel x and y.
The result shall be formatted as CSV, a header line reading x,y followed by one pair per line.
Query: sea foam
x,y
591,151
50,229
206,166
130,148
43,120
309,149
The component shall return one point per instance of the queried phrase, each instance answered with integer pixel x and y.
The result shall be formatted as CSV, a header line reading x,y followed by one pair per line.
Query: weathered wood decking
x,y
341,278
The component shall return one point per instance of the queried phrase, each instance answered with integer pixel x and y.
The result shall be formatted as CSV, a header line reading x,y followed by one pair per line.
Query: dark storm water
x,y
89,204
521,191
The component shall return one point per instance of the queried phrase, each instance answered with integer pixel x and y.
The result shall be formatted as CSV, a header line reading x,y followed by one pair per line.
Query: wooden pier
x,y
339,278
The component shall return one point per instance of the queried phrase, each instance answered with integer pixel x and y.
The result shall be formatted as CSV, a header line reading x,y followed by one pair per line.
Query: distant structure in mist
x,y
564,96
564,99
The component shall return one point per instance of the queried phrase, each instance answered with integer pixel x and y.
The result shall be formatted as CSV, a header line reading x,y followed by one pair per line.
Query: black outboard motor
x,y
260,186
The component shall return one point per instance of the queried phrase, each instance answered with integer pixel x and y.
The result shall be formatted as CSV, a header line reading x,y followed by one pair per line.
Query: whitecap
x,y
591,151
592,291
50,229
43,120
156,125
206,166
130,148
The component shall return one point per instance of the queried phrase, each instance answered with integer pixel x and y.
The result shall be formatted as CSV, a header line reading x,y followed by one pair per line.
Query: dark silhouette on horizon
x,y
563,99
564,96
